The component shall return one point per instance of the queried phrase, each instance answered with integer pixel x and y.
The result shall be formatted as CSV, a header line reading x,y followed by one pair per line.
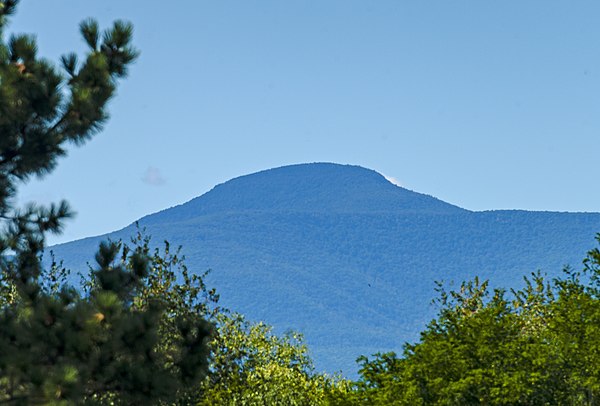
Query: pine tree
x,y
57,345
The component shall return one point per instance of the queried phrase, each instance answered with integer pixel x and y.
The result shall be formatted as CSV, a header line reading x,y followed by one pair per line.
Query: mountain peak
x,y
313,187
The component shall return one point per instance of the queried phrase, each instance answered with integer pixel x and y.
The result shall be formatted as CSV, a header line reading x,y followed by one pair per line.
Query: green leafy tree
x,y
183,296
58,346
480,350
574,327
541,347
253,366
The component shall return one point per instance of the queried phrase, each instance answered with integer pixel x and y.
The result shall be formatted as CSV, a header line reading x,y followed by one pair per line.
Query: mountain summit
x,y
315,187
344,256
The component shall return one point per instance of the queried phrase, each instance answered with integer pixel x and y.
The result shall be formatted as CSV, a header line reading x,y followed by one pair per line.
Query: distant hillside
x,y
344,256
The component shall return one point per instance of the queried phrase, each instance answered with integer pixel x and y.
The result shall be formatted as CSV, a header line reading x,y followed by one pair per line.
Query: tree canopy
x,y
59,345
534,346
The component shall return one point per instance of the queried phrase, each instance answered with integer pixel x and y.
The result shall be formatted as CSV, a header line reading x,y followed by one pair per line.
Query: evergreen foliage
x,y
58,346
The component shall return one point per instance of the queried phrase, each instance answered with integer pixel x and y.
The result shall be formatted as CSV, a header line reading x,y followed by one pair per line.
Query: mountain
x,y
346,257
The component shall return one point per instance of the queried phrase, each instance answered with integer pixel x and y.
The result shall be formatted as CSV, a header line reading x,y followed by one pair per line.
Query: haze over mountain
x,y
346,257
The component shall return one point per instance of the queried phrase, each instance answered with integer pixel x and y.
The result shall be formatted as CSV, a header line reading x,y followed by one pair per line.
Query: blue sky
x,y
487,105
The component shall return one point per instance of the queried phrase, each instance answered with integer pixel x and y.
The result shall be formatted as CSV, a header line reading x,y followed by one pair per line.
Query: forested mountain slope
x,y
346,257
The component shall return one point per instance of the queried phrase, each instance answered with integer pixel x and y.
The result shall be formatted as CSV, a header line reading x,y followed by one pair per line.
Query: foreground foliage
x,y
253,366
57,345
540,346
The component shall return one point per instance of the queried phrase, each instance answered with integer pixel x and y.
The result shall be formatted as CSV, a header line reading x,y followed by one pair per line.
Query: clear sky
x,y
486,105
